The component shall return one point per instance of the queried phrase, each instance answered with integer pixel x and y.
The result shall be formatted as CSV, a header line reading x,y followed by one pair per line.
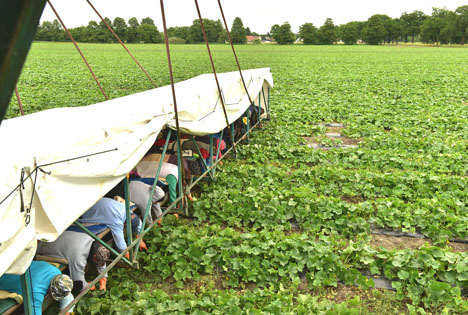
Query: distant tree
x,y
92,31
360,26
393,28
238,33
147,20
274,30
223,37
283,34
248,32
374,32
349,33
410,24
450,31
213,30
132,30
45,31
120,28
105,36
149,34
80,33
327,33
463,22
308,33
441,27
387,24
178,31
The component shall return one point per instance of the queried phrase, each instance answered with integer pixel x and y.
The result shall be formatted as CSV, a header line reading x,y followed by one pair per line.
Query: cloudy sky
x,y
259,15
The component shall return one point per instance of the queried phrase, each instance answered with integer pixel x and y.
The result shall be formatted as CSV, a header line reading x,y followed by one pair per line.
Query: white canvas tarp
x,y
115,134
201,112
128,124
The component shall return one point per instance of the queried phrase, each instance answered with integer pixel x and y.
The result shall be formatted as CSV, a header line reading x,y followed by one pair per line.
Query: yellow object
x,y
10,295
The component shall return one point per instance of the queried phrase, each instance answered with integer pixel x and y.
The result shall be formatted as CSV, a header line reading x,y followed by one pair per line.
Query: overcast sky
x,y
259,15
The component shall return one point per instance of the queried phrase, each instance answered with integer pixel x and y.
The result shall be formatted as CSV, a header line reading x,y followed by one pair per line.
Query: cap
x,y
60,286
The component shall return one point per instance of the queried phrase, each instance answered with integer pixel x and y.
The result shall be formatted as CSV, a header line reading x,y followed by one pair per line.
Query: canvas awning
x,y
201,112
96,146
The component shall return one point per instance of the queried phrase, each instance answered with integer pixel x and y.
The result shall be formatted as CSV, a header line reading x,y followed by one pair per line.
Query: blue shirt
x,y
111,213
41,276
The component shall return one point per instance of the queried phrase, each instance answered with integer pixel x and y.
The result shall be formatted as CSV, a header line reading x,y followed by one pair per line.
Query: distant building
x,y
251,39
267,39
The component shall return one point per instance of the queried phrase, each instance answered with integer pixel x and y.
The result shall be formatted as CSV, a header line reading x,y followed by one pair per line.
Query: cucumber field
x,y
352,199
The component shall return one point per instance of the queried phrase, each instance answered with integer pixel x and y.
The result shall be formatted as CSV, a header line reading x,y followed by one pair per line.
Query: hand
x,y
93,288
102,284
142,245
127,255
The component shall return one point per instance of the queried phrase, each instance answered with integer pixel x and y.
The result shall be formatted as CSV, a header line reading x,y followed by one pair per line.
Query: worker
x,y
45,278
139,193
78,248
112,214
169,171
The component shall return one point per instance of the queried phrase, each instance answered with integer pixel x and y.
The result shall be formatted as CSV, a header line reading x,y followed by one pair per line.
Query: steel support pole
x,y
26,288
128,214
153,187
267,111
217,152
268,102
171,76
201,157
248,125
81,226
181,174
211,153
233,132
259,110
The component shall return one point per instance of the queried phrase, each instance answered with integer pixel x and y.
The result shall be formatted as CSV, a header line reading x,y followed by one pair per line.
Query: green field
x,y
287,229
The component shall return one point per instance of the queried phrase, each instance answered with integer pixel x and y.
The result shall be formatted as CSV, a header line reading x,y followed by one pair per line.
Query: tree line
x,y
442,26
144,31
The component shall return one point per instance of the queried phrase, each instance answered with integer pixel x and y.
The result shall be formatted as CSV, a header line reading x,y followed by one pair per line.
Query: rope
x,y
235,56
215,75
168,52
121,43
79,50
23,179
19,101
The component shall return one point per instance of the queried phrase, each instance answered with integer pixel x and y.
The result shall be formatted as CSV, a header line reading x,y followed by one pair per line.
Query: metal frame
x,y
210,171
21,27
133,246
27,292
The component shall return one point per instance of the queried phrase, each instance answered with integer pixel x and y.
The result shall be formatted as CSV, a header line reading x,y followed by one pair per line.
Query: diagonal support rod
x,y
121,43
79,51
19,101
171,75
234,52
215,75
